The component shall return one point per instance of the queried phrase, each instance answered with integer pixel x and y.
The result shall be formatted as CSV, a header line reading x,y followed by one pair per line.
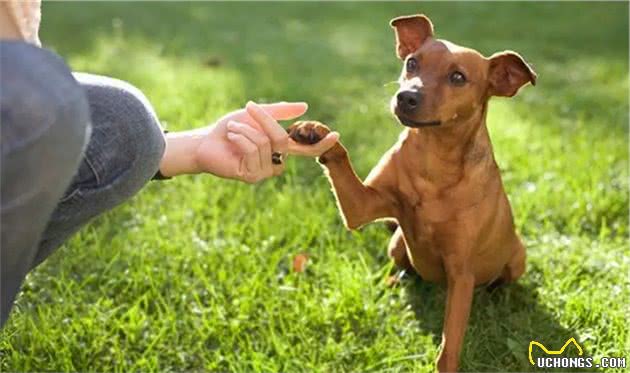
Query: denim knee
x,y
127,142
123,154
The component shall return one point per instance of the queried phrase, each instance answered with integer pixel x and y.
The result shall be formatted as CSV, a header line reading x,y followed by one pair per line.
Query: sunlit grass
x,y
194,273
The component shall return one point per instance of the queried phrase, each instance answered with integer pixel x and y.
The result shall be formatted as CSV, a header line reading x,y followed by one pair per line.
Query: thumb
x,y
314,150
328,142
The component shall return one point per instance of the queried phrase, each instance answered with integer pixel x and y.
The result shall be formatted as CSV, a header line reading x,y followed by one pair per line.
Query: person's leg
x,y
44,126
123,154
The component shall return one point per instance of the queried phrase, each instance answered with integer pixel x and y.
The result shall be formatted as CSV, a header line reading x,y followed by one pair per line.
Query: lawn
x,y
194,273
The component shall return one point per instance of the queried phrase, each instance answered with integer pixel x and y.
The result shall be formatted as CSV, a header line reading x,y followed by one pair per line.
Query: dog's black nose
x,y
408,100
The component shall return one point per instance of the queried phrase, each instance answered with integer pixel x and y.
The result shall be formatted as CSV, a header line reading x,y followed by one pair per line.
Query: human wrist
x,y
180,153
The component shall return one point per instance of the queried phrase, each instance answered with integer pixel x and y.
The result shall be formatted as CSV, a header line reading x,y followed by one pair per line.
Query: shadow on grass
x,y
502,324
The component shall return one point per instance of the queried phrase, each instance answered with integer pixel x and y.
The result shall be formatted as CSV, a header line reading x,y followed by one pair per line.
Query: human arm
x,y
239,145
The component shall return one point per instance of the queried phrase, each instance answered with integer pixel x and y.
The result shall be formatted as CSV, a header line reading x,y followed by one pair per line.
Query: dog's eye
x,y
412,65
457,78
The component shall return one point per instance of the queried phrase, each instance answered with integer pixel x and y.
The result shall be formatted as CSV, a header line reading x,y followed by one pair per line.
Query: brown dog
x,y
440,181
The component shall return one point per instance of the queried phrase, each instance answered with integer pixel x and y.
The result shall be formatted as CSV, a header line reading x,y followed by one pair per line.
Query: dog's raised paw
x,y
308,132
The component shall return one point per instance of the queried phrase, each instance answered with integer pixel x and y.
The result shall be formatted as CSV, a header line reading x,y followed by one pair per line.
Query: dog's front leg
x,y
359,203
459,298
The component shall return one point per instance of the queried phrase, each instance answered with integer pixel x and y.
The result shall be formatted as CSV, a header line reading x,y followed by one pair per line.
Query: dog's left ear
x,y
411,32
508,72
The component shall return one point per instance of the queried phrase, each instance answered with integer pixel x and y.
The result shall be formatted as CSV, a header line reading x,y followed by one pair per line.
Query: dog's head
x,y
442,83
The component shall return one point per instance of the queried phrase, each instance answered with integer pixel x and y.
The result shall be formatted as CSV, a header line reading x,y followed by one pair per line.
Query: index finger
x,y
275,132
285,110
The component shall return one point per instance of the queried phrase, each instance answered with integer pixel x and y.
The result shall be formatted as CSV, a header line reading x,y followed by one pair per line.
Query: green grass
x,y
193,273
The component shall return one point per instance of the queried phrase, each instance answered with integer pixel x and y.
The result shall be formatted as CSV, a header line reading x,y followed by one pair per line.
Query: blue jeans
x,y
73,147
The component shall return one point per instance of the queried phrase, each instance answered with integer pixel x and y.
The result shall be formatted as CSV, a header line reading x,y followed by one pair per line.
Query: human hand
x,y
239,145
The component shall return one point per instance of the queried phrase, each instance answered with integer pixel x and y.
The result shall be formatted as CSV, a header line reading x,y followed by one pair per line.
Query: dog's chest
x,y
432,228
432,204
438,217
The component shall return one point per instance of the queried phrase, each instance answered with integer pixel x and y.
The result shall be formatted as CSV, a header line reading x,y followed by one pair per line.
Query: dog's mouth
x,y
416,124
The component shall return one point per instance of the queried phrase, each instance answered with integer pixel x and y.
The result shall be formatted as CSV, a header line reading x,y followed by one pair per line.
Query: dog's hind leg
x,y
397,250
516,266
513,269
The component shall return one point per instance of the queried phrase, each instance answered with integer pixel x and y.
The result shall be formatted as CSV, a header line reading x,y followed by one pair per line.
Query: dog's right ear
x,y
411,32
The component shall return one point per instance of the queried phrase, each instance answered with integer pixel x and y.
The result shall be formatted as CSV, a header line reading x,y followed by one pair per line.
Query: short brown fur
x,y
440,181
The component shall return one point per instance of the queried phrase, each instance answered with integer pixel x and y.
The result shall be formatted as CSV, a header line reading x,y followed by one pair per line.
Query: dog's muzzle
x,y
415,124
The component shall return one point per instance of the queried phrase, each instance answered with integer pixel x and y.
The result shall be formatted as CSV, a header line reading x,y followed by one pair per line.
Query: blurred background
x,y
195,273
